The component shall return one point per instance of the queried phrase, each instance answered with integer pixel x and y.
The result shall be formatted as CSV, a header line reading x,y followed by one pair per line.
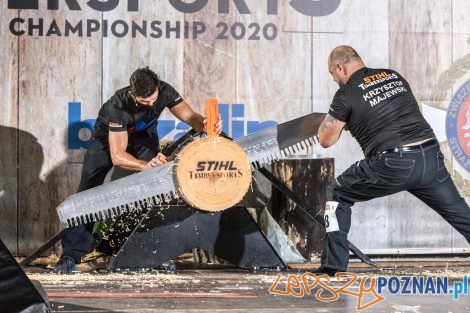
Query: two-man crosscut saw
x,y
158,185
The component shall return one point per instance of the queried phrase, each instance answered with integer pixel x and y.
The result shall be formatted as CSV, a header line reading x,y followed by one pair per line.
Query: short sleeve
x,y
340,109
117,120
171,97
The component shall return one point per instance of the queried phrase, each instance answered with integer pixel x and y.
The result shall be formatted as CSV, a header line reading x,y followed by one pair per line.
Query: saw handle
x,y
212,117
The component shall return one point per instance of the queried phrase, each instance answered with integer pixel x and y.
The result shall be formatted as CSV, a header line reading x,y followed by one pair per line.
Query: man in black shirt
x,y
400,148
125,135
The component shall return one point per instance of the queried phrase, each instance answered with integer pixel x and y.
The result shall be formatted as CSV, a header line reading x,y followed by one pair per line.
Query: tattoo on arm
x,y
328,120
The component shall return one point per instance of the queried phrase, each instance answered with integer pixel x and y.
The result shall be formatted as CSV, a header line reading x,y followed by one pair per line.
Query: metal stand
x,y
165,233
304,207
26,261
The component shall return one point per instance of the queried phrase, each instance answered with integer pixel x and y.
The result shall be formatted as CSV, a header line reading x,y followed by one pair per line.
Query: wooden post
x,y
309,179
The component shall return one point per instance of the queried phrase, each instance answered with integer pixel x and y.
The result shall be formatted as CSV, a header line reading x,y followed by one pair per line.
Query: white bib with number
x,y
331,222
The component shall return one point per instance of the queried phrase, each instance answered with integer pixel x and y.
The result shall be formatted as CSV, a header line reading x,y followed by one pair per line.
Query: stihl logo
x,y
305,7
215,166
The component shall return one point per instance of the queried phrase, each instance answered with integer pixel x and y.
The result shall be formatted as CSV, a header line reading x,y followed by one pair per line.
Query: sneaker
x,y
66,264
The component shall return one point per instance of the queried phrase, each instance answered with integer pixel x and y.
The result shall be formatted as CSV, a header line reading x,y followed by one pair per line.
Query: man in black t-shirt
x,y
400,148
125,135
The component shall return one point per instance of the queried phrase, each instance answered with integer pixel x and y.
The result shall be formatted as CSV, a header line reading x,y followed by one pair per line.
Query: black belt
x,y
426,144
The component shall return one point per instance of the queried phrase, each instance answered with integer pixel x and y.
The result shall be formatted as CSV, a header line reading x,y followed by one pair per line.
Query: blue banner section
x,y
75,124
234,125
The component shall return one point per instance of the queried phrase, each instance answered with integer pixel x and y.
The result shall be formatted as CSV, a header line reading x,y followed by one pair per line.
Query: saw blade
x,y
157,185
149,187
280,141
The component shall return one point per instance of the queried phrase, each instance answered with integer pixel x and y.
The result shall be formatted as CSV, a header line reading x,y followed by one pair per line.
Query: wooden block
x,y
212,115
309,179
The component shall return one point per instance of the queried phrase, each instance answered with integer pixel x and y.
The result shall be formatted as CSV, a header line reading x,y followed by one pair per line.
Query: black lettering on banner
x,y
32,26
23,4
327,222
306,7
175,29
54,4
240,4
315,7
133,5
105,28
105,6
13,30
136,27
53,29
92,26
125,29
223,27
238,31
254,35
273,34
155,26
198,28
273,7
193,7
69,28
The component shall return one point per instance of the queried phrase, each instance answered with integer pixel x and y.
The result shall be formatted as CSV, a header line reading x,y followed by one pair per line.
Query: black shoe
x,y
325,270
66,264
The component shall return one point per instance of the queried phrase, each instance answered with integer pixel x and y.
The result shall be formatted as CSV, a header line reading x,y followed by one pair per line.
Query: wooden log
x,y
309,179
213,174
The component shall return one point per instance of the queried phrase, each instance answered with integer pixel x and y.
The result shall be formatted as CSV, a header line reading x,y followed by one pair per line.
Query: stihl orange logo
x,y
371,78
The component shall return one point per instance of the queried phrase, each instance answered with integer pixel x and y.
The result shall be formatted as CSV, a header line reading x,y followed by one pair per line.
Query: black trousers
x,y
421,172
96,165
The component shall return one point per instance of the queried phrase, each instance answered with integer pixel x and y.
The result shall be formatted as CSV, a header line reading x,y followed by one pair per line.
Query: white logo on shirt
x,y
113,124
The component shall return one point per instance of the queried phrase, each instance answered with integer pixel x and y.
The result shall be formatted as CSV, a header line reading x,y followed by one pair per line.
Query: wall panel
x,y
274,76
209,63
8,132
54,70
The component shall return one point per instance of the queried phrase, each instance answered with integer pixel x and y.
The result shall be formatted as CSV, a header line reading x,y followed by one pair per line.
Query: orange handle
x,y
212,116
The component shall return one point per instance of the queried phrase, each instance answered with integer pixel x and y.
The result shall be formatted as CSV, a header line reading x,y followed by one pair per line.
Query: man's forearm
x,y
196,122
329,131
128,162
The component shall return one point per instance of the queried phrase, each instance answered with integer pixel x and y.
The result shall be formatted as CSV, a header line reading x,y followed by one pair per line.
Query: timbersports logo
x,y
458,125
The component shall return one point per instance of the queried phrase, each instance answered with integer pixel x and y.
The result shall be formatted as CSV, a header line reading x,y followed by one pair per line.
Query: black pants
x,y
421,172
96,165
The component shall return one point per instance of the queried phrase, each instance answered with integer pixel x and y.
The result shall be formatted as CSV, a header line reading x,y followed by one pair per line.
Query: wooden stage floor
x,y
227,289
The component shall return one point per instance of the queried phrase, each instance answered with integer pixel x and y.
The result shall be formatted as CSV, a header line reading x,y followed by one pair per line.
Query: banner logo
x,y
458,125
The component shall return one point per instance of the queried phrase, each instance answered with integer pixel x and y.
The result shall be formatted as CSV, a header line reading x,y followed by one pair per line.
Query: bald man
x,y
401,152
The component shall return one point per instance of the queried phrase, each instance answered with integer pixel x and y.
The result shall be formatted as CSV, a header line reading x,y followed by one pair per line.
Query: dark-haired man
x,y
401,152
125,135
